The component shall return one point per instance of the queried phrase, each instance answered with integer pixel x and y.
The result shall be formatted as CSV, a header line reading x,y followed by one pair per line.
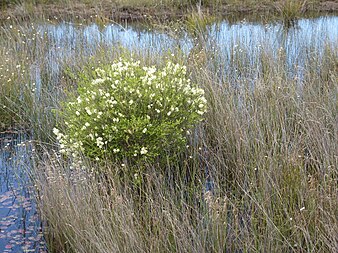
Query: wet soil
x,y
111,12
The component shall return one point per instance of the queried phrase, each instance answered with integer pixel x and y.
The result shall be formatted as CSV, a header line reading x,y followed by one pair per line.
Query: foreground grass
x,y
268,147
273,164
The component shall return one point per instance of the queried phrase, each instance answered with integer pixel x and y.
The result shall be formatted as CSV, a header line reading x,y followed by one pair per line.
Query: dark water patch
x,y
20,226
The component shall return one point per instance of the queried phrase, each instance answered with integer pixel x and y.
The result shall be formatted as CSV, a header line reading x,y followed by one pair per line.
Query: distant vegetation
x,y
172,8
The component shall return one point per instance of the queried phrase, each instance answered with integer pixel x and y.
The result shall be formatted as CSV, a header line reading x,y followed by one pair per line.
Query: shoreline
x,y
111,12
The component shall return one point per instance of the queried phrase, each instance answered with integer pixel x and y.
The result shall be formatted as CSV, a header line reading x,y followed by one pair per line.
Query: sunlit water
x,y
20,226
222,40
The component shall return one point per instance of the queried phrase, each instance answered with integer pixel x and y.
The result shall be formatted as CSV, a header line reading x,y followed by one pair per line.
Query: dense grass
x,y
268,146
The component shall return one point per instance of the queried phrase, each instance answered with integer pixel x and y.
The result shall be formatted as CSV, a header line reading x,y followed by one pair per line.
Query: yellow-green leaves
x,y
128,111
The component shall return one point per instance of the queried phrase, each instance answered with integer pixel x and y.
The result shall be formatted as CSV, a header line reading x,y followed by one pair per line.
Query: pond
x,y
20,227
226,42
64,43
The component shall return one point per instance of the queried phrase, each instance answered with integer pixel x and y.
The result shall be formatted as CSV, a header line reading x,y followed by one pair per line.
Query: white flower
x,y
144,151
97,81
56,131
58,134
99,142
91,136
77,113
88,111
144,130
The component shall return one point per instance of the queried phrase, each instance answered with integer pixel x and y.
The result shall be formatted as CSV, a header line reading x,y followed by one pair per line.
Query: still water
x,y
226,43
20,227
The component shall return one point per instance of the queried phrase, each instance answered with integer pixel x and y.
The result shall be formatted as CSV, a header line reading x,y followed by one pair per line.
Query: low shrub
x,y
126,112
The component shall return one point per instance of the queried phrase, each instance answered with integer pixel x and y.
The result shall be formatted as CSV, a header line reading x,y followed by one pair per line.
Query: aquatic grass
x,y
270,154
290,10
36,75
258,175
25,101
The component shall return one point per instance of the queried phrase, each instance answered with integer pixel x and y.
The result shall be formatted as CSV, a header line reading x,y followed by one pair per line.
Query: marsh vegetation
x,y
257,174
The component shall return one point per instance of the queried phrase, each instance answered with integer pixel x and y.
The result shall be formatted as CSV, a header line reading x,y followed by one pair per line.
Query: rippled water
x,y
20,226
306,32
223,40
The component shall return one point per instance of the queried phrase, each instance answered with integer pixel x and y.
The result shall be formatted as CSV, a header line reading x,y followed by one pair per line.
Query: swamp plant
x,y
269,144
129,113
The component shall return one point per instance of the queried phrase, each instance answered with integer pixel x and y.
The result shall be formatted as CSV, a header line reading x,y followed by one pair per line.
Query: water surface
x,y
20,226
223,41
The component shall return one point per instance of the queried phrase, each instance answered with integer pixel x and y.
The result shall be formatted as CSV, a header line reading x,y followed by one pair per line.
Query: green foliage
x,y
290,10
126,111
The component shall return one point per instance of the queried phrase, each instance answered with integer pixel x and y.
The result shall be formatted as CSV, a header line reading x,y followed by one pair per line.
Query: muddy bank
x,y
108,12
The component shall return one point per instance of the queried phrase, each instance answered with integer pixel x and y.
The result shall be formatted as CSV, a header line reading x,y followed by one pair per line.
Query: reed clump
x,y
291,10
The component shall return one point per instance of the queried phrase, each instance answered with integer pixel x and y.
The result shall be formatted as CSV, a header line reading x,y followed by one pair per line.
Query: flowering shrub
x,y
125,111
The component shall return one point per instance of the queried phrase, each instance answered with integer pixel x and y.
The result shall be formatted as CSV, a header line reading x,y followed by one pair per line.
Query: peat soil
x,y
110,12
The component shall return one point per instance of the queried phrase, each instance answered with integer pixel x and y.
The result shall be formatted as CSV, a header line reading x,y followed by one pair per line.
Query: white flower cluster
x,y
131,111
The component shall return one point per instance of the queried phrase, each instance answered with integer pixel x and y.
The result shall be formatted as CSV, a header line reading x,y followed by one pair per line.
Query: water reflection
x,y
223,40
20,227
